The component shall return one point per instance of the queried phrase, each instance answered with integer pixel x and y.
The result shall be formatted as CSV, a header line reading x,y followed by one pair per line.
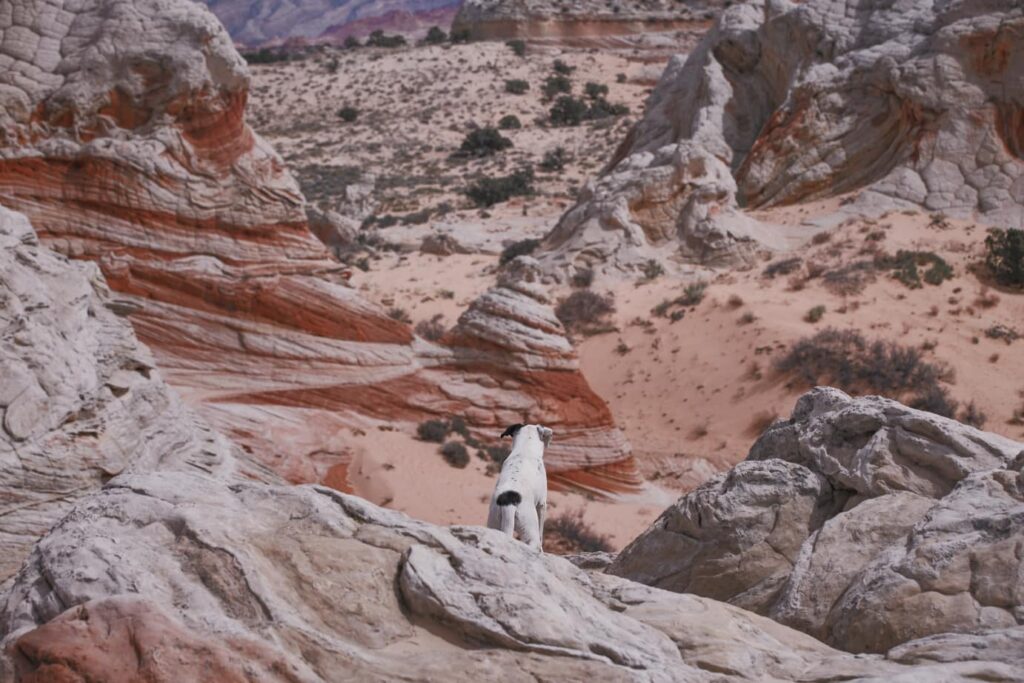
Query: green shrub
x,y
516,249
568,111
603,109
1004,256
652,269
399,314
516,86
379,39
459,36
490,191
554,160
483,142
585,311
556,84
562,68
435,36
815,314
582,278
455,454
595,91
433,431
348,114
905,267
351,42
518,47
844,358
693,294
509,122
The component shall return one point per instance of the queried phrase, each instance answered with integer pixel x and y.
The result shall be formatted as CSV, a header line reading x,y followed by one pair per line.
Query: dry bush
x,y
567,534
585,311
432,329
455,454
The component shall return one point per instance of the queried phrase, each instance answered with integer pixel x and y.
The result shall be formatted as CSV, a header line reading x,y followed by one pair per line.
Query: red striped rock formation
x,y
122,137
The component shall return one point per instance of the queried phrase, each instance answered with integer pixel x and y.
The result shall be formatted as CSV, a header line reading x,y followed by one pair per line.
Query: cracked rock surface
x,y
860,521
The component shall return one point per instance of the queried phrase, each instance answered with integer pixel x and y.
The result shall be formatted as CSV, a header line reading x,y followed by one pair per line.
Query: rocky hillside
x,y
605,24
908,104
267,22
137,156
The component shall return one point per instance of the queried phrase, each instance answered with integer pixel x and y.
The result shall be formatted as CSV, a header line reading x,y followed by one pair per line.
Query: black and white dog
x,y
520,500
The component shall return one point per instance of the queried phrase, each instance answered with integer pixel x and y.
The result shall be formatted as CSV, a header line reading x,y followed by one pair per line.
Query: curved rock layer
x,y
122,136
80,400
783,102
861,522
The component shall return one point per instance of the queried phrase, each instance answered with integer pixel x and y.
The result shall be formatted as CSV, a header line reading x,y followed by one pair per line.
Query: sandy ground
x,y
694,394
691,394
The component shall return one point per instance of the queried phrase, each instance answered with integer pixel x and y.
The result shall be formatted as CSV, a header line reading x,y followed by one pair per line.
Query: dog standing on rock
x,y
520,500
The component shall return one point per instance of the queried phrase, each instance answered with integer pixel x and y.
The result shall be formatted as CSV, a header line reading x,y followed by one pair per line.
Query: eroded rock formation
x,y
123,138
580,23
859,521
80,398
913,103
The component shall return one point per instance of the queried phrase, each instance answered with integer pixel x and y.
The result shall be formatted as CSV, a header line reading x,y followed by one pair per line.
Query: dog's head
x,y
543,433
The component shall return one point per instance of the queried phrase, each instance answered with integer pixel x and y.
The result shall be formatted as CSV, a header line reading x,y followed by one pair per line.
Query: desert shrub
x,y
567,533
584,311
433,431
560,67
620,78
783,267
517,46
815,314
556,84
520,248
265,56
348,114
459,36
516,86
432,329
497,453
652,269
483,142
1004,256
1007,334
973,415
554,160
509,122
455,454
582,278
603,109
490,191
844,358
595,90
568,111
351,42
399,314
693,294
379,39
905,267
435,36
850,279
458,426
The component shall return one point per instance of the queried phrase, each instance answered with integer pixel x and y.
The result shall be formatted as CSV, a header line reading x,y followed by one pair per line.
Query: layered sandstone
x,y
579,23
861,522
912,103
123,138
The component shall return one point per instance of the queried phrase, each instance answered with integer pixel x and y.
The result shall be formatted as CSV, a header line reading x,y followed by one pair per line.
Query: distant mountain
x,y
263,22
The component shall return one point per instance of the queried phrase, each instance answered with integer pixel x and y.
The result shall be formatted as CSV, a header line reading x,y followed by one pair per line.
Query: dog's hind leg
x,y
508,519
529,526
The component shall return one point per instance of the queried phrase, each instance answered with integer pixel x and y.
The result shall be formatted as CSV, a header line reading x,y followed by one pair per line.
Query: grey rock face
x,y
80,400
785,102
859,521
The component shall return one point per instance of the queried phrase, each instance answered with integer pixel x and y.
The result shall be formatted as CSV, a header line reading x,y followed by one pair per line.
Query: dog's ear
x,y
545,435
511,431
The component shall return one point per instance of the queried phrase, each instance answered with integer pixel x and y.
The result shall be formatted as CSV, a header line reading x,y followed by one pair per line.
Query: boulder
x,y
859,521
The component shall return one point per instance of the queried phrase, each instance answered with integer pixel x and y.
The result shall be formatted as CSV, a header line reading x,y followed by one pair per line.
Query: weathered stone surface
x,y
859,521
80,399
167,574
123,138
785,102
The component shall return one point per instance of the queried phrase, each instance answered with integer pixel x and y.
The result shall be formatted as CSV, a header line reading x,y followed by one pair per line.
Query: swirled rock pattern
x,y
859,521
123,138
913,103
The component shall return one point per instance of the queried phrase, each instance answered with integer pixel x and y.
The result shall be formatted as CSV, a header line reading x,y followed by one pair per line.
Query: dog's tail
x,y
507,502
